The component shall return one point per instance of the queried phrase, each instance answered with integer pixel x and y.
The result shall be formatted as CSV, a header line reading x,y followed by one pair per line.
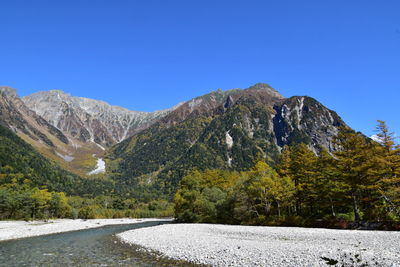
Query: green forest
x,y
358,182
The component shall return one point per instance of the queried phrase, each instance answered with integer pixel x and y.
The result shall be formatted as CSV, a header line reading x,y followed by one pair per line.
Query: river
x,y
92,247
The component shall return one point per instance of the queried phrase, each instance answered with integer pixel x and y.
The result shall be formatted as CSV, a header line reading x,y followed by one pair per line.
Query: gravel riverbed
x,y
226,245
20,229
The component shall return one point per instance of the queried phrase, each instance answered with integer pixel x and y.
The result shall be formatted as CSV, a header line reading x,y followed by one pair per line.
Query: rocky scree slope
x,y
90,120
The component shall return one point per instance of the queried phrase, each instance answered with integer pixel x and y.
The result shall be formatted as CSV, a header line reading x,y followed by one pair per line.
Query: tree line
x,y
20,200
360,180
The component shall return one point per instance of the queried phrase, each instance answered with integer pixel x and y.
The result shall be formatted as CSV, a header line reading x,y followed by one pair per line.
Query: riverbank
x,y
21,229
226,245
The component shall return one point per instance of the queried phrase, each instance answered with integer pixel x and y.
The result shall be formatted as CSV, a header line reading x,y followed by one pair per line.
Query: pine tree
x,y
353,165
302,172
328,189
283,167
387,169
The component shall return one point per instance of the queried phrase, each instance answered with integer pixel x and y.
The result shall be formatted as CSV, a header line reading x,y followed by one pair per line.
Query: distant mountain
x,y
223,129
90,120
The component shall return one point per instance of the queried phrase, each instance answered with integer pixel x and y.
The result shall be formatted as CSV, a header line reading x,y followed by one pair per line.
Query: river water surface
x,y
92,247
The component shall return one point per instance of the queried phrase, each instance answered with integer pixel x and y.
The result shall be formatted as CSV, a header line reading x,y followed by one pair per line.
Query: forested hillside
x,y
21,163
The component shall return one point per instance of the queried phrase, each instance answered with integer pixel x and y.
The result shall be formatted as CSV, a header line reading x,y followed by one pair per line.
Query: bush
x,y
74,214
88,212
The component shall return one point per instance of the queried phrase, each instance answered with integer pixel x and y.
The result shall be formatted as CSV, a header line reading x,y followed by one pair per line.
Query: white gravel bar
x,y
226,245
20,229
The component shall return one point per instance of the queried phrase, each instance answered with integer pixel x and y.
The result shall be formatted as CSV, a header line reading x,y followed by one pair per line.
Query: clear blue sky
x,y
149,55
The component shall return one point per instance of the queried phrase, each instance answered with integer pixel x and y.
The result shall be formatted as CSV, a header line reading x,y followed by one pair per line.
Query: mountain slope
x,y
14,114
20,163
226,130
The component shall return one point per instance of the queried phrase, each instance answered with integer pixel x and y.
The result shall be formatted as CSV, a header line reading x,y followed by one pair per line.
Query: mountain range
x,y
151,151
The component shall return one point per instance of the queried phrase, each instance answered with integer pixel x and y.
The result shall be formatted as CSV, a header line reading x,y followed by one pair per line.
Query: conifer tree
x,y
387,169
301,169
328,189
283,167
353,165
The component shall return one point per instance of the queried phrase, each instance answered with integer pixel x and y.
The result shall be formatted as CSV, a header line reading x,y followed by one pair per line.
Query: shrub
x,y
88,212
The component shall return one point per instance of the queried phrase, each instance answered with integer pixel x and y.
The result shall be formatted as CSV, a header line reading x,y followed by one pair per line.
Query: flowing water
x,y
92,247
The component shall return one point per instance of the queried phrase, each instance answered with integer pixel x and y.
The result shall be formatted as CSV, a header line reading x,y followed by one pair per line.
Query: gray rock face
x,y
15,115
303,119
90,120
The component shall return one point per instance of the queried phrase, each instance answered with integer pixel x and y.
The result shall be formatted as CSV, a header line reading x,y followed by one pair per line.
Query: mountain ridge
x,y
225,129
89,119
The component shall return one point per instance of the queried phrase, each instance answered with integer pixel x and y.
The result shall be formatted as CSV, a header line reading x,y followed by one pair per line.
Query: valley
x,y
241,156
199,133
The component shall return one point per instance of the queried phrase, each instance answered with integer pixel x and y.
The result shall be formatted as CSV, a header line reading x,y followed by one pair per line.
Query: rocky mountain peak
x,y
8,91
267,88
